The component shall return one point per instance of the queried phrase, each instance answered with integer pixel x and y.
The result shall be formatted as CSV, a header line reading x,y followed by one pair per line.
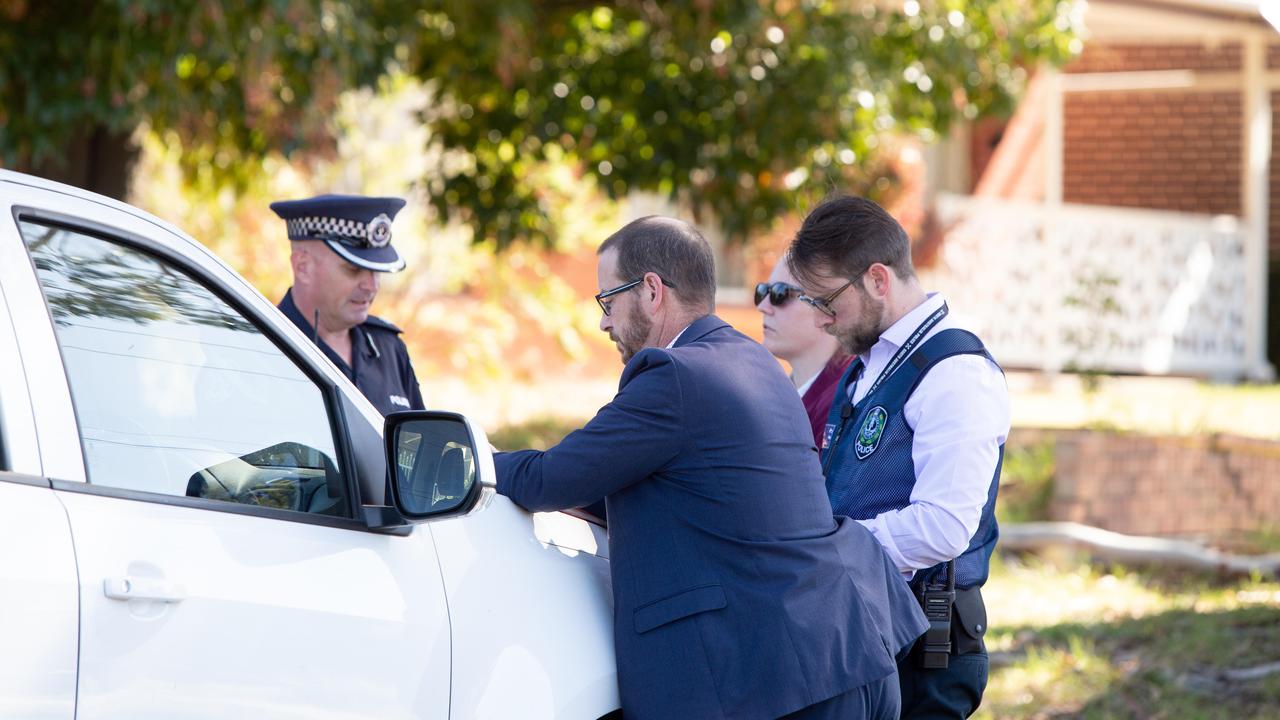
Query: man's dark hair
x,y
846,235
673,249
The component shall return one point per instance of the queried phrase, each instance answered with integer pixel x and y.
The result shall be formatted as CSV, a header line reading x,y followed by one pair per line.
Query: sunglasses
x,y
779,293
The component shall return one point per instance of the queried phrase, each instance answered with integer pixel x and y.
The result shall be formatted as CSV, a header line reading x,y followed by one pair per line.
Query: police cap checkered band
x,y
356,227
375,233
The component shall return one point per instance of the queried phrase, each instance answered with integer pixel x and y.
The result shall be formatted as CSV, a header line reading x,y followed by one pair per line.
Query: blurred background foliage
x,y
734,107
513,127
462,304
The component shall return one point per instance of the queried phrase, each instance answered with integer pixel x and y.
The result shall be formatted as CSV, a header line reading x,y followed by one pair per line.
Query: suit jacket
x,y
736,593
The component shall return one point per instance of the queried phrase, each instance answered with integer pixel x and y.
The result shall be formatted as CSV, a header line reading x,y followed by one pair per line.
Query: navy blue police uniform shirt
x,y
380,365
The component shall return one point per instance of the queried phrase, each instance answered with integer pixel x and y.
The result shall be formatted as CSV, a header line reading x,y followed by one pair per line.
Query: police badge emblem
x,y
379,232
870,432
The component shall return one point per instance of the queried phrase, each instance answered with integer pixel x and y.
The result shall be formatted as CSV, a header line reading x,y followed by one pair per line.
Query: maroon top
x,y
817,399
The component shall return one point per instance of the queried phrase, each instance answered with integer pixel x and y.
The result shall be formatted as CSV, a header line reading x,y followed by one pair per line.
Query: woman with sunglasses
x,y
792,336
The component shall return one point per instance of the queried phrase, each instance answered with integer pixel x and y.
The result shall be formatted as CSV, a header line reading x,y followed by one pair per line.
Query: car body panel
x,y
517,621
276,619
19,450
490,613
40,607
55,422
524,610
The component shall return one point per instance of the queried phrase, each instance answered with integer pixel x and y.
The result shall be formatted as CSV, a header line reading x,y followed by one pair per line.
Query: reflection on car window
x,y
175,391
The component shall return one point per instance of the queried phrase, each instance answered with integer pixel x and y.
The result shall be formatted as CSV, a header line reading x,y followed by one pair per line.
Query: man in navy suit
x,y
736,593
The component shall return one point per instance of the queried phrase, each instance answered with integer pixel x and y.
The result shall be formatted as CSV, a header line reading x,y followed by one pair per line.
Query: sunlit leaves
x,y
734,107
234,81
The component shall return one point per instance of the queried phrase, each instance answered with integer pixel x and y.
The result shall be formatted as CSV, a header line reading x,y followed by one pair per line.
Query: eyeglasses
x,y
604,306
823,305
779,293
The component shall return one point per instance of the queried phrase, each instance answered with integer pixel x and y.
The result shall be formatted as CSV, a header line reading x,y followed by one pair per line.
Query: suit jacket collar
x,y
699,328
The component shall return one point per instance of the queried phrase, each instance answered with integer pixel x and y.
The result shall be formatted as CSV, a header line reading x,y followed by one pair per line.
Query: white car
x,y
194,519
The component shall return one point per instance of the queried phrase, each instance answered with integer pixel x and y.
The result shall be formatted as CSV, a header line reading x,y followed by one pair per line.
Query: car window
x,y
175,391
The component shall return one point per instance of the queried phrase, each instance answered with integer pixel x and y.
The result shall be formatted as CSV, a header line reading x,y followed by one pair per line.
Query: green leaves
x,y
737,108
234,82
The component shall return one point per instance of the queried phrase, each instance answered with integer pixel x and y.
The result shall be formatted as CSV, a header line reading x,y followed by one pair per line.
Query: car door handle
x,y
130,588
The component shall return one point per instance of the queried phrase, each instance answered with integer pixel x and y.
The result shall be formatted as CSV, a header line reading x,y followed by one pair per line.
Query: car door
x,y
222,567
39,613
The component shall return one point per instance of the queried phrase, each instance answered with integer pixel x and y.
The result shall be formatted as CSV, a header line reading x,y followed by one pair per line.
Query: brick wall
x,y
1134,58
1178,151
1159,150
1151,485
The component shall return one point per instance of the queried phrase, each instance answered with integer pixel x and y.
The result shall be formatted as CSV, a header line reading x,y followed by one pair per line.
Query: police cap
x,y
355,227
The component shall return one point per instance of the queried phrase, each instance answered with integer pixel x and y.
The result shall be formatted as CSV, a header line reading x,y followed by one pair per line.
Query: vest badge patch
x,y
870,432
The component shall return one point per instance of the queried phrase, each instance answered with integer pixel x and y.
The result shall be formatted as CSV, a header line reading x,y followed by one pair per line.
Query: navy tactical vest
x,y
866,454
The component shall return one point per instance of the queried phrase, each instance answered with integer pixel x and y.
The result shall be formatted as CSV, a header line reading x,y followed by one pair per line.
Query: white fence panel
x,y
1095,288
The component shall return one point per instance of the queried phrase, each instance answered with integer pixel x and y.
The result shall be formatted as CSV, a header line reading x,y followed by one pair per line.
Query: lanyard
x,y
907,347
847,409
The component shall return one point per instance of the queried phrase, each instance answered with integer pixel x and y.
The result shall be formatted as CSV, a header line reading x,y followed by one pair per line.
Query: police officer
x,y
914,440
341,246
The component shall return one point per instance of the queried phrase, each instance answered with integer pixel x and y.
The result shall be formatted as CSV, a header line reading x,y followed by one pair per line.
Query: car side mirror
x,y
436,463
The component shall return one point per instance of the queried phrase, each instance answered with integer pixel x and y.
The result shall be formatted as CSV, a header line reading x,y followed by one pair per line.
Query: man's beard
x,y
634,335
865,331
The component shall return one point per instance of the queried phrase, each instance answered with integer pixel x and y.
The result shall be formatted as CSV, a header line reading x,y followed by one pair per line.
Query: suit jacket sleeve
x,y
631,438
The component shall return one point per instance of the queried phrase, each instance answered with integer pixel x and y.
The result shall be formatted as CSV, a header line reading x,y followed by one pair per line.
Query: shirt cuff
x,y
885,538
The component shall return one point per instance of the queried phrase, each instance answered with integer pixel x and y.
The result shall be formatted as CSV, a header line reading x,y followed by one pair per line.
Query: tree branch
x,y
1135,548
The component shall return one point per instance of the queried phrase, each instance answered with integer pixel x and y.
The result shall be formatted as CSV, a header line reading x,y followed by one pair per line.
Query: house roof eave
x,y
1165,20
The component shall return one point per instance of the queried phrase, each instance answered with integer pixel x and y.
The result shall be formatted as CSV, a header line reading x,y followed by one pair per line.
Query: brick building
x,y
1136,196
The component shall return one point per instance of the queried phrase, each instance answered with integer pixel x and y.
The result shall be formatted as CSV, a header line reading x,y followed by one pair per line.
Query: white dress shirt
x,y
960,416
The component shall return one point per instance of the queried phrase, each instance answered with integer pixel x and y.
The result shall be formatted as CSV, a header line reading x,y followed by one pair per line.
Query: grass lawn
x,y
1153,405
1156,405
1114,643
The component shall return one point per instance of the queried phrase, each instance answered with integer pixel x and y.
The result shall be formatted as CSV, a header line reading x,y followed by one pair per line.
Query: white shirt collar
x,y
677,337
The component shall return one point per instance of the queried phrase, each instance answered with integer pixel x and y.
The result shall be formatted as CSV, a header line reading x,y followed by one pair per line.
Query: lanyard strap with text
x,y
907,347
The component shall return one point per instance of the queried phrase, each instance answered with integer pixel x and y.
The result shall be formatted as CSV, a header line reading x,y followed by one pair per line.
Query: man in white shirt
x,y
913,444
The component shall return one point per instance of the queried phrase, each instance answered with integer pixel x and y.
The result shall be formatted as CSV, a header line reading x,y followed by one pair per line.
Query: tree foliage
x,y
232,80
732,107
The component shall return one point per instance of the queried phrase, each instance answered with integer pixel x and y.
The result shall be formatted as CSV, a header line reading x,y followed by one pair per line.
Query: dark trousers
x,y
951,693
874,701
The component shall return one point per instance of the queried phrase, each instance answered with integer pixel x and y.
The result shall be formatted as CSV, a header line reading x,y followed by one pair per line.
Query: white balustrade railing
x,y
1097,288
